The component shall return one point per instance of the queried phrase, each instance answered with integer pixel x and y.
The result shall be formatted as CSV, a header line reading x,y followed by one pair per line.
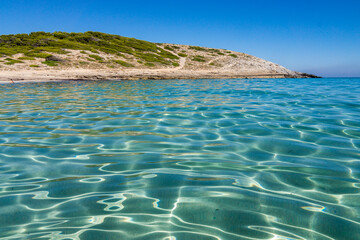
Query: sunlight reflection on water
x,y
184,159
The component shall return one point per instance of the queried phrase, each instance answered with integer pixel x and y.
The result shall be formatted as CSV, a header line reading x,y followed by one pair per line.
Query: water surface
x,y
184,159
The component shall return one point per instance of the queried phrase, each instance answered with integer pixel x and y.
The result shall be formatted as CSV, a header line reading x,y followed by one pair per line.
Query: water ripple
x,y
186,159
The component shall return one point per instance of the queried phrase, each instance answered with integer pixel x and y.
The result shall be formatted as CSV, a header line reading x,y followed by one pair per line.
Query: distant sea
x,y
181,159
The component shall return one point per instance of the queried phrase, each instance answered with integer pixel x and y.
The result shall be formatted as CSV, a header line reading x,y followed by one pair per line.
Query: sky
x,y
319,37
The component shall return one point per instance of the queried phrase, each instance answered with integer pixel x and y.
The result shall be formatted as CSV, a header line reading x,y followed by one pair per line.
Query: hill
x,y
95,55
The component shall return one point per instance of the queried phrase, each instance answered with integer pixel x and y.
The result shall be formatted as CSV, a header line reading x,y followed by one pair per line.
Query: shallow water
x,y
185,159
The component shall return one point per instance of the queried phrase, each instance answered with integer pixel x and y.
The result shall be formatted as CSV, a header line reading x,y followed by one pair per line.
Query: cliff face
x,y
104,56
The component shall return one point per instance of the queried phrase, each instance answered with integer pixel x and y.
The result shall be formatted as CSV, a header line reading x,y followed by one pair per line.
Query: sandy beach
x,y
99,74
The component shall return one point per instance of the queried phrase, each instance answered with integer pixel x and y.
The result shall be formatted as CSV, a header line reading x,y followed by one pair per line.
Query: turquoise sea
x,y
181,159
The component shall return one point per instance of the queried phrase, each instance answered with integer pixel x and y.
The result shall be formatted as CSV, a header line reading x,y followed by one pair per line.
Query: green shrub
x,y
182,55
34,66
217,51
198,48
168,48
83,52
61,35
96,57
50,63
26,58
11,61
215,64
108,50
37,54
94,51
152,58
123,63
165,54
233,55
39,34
8,51
57,50
149,64
198,58
176,64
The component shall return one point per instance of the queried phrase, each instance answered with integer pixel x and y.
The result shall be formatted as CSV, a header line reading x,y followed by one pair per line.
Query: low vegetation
x,y
209,50
26,58
10,61
123,63
43,44
215,64
199,58
96,57
168,48
37,54
149,64
93,49
50,63
198,48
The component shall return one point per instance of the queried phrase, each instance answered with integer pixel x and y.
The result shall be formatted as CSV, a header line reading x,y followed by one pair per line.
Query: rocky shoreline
x,y
91,74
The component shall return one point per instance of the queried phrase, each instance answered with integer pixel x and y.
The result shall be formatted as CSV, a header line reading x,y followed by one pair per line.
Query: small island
x,y
42,56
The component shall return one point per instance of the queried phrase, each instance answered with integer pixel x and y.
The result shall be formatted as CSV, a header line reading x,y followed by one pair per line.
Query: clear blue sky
x,y
318,36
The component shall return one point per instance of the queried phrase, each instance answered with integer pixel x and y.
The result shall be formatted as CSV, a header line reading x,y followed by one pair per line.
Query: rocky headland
x,y
44,56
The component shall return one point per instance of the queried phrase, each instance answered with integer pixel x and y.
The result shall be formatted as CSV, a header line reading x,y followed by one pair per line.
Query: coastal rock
x,y
307,75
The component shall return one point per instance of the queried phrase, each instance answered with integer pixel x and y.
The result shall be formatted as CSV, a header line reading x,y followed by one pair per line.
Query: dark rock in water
x,y
310,75
55,59
307,75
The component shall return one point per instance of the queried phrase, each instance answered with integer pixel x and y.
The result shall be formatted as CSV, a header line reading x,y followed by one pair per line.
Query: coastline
x,y
136,74
44,56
